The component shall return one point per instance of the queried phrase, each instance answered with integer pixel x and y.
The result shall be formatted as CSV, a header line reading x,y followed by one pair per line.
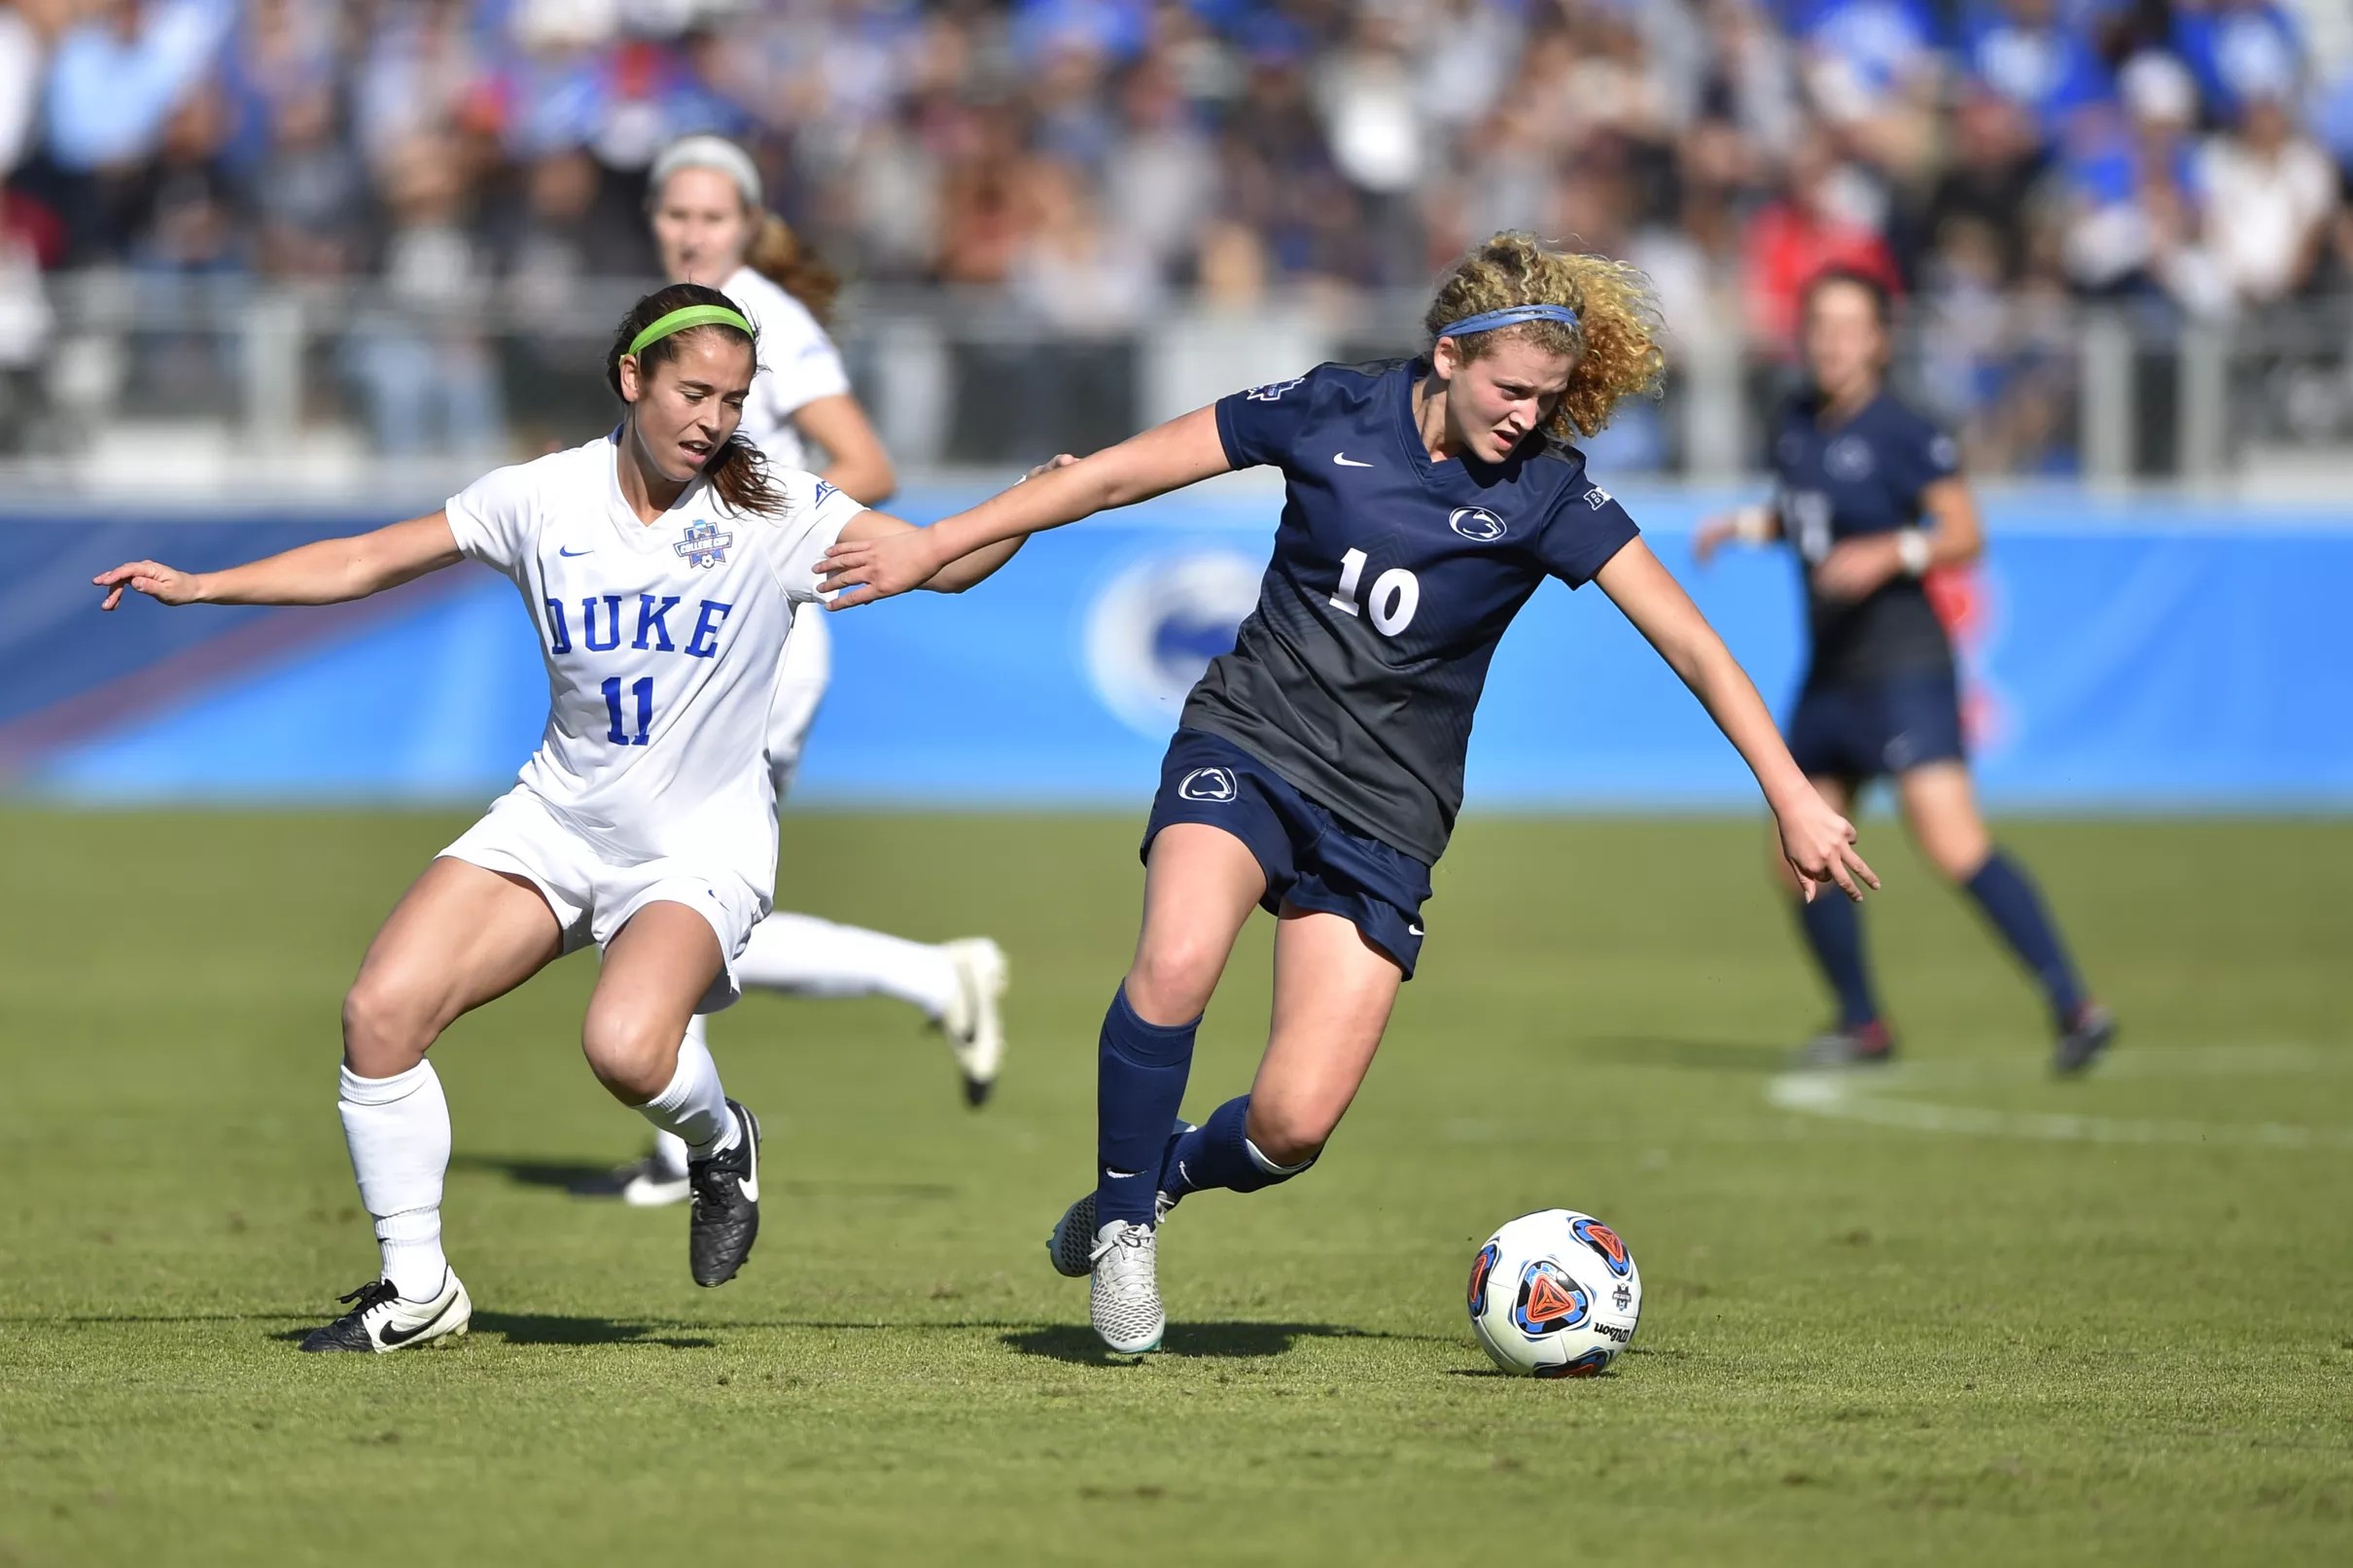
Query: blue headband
x,y
1511,316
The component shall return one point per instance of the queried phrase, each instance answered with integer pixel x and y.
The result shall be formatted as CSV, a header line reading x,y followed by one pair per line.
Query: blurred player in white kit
x,y
706,203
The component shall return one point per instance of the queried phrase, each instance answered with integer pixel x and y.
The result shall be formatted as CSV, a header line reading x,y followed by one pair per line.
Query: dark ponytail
x,y
737,472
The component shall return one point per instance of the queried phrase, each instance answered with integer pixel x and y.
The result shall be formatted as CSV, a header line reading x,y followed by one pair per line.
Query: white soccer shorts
x,y
592,899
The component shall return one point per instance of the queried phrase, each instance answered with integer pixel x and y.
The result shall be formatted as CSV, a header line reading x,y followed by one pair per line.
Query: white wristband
x,y
1913,549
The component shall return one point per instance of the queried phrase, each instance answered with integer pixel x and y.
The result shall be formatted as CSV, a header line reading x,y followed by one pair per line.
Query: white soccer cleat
x,y
383,1319
975,1021
1125,1301
652,1184
1071,1244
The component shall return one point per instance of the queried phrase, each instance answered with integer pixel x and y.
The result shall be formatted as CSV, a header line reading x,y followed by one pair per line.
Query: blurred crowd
x,y
1084,161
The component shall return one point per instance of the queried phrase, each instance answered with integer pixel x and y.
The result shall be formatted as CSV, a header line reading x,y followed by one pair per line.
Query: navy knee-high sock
x,y
1218,1153
1140,1075
1834,929
2007,895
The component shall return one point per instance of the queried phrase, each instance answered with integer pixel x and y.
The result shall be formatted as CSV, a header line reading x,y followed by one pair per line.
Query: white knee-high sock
x,y
694,1107
398,1129
810,957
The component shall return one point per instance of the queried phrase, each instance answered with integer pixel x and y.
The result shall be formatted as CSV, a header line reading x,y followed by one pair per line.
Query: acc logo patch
x,y
1213,785
1272,390
1588,1364
1475,523
1549,1300
1604,1240
1482,1266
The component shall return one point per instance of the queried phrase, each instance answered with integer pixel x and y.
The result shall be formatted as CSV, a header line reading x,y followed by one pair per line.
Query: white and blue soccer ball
x,y
1555,1294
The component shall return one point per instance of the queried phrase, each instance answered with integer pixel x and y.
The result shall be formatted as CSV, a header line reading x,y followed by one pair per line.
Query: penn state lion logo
x,y
1213,785
1476,523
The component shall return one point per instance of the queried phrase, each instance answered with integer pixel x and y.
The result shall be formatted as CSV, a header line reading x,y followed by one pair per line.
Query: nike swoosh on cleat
x,y
392,1335
1346,462
560,550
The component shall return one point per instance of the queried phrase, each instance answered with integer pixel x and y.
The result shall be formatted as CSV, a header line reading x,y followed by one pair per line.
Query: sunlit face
x,y
1845,345
700,227
1492,402
681,413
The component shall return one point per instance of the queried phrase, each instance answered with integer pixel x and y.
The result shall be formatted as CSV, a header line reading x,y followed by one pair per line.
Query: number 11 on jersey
x,y
641,689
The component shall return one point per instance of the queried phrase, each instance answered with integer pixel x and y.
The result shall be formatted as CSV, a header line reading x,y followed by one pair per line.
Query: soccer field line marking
x,y
1870,1096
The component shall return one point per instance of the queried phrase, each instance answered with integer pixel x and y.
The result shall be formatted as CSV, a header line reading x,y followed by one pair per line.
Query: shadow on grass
x,y
1688,1055
1077,1343
548,1328
588,1180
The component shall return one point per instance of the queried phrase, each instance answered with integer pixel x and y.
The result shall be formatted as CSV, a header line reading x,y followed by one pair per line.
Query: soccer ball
x,y
1555,1294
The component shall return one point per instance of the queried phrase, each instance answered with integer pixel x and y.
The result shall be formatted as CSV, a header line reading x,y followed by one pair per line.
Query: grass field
x,y
1962,1315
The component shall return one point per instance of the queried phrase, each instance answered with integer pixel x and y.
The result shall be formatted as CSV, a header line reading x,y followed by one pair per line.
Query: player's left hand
x,y
1819,846
1858,567
861,572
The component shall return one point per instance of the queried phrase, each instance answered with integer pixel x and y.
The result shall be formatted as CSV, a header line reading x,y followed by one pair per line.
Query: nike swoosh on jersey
x,y
560,550
1348,462
389,1335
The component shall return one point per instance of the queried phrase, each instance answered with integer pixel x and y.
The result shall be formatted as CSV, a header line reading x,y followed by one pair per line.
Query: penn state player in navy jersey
x,y
1320,764
1858,475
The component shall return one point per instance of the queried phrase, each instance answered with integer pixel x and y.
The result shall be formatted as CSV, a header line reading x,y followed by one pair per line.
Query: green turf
x,y
1861,1342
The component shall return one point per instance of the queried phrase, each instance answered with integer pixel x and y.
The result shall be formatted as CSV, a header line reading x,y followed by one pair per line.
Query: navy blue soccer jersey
x,y
1844,481
1392,582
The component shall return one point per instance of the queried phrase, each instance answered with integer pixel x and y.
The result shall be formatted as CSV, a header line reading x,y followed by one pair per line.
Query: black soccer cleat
x,y
2085,1035
381,1319
725,1218
1859,1045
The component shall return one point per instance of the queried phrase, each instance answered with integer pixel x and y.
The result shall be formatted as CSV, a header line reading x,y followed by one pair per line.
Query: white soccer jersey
x,y
798,365
662,643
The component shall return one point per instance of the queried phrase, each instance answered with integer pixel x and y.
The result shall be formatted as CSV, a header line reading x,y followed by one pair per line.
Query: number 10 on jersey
x,y
641,689
1396,594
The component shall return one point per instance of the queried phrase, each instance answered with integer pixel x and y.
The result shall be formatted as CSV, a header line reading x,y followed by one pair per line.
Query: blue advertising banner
x,y
2122,655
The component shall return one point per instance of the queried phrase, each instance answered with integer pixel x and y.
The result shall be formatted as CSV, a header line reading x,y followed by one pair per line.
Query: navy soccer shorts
x,y
1311,860
1869,728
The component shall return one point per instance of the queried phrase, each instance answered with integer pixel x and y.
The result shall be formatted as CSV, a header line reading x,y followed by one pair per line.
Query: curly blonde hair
x,y
1615,343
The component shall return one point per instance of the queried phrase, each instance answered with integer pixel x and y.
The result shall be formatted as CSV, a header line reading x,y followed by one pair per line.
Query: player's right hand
x,y
1714,534
166,586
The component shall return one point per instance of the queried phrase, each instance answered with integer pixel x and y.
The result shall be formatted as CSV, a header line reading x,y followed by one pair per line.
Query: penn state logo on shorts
x,y
1482,1266
1549,1300
1154,627
1475,523
1848,457
1213,785
1604,1240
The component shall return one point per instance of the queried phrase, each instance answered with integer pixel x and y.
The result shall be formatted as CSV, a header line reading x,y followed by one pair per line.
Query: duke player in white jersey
x,y
709,223
661,565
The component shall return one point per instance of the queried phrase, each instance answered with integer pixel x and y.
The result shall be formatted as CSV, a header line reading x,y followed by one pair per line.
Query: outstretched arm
x,y
326,572
1168,457
1817,842
965,569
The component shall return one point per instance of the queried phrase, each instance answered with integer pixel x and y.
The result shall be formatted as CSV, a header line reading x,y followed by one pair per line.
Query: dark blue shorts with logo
x,y
1311,860
1862,730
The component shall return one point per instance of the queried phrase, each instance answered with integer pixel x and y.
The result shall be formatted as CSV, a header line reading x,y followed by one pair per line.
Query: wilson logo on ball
x,y
1549,1300
1604,1240
1482,1266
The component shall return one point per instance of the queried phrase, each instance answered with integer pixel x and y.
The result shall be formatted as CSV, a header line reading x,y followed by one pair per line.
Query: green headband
x,y
678,321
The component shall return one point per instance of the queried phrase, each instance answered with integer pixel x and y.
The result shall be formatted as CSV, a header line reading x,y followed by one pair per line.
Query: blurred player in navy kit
x,y
1871,495
1319,766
